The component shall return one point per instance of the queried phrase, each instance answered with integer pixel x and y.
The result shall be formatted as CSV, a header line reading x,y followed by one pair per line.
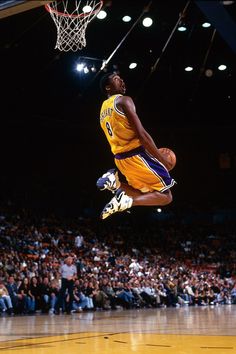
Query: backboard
x,y
12,7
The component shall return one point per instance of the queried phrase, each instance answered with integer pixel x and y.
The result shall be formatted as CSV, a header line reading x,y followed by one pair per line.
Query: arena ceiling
x,y
31,67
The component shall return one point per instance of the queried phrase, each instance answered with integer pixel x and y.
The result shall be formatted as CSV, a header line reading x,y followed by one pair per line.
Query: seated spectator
x,y
149,294
45,295
16,298
107,288
171,291
35,294
29,301
54,292
100,299
161,295
124,294
136,290
80,302
5,300
233,294
87,289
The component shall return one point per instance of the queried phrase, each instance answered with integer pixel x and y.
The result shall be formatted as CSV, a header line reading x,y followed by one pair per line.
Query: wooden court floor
x,y
192,330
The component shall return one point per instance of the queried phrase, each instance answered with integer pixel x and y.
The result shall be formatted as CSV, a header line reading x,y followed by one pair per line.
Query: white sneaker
x,y
118,203
109,180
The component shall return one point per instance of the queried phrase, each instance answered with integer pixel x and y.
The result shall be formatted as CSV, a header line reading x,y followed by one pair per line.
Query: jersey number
x,y
109,128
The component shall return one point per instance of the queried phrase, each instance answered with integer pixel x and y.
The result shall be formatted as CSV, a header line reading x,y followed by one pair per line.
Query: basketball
x,y
170,156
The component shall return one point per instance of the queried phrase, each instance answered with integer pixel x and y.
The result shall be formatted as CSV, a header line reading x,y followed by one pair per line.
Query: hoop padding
x,y
72,23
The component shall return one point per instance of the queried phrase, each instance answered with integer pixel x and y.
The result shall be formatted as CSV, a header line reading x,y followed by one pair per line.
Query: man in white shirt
x,y
68,273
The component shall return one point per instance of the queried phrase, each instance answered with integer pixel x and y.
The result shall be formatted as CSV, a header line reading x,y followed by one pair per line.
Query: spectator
x,y
54,292
35,293
16,297
5,300
79,241
45,295
233,294
29,301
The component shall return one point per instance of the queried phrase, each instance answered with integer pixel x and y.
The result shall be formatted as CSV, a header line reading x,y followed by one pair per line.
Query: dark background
x,y
52,147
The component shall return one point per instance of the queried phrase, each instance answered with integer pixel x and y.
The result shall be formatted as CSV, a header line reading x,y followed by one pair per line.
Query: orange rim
x,y
50,9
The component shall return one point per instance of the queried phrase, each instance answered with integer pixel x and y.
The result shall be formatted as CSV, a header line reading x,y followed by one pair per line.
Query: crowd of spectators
x,y
53,266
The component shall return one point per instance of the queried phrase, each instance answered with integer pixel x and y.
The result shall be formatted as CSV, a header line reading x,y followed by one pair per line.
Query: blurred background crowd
x,y
59,265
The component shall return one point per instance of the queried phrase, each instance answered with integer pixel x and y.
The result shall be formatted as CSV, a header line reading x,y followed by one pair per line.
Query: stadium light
x,y
147,22
101,15
126,19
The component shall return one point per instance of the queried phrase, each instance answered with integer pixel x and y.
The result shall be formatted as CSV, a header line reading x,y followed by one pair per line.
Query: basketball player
x,y
135,153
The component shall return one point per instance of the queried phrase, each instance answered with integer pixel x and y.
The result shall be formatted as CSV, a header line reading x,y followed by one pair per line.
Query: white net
x,y
71,18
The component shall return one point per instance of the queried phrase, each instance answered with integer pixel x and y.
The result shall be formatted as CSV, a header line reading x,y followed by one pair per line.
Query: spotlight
x,y
182,28
222,67
86,70
87,9
101,15
126,19
147,22
80,67
188,68
206,25
132,65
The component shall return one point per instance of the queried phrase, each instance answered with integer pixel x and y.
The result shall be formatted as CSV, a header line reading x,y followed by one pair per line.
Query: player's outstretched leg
x,y
120,202
109,181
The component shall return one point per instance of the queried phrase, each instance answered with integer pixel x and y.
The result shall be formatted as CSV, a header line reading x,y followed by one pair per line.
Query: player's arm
x,y
128,107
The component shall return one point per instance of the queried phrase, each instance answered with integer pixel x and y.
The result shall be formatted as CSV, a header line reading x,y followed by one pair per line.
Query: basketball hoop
x,y
71,18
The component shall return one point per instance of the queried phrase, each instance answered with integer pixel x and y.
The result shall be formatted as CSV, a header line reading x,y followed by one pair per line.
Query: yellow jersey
x,y
119,133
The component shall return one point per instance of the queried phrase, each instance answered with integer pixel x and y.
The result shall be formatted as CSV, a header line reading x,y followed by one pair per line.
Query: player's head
x,y
111,84
104,82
